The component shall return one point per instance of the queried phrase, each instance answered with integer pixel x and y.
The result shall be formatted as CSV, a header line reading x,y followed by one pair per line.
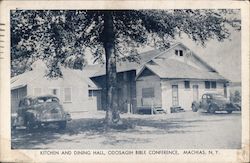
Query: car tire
x,y
62,125
194,108
211,109
229,111
29,125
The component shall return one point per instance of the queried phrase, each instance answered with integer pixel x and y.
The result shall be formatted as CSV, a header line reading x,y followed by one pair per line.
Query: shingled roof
x,y
173,69
22,80
128,66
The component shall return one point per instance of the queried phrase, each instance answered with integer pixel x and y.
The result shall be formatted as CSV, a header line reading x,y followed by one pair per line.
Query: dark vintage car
x,y
212,102
41,111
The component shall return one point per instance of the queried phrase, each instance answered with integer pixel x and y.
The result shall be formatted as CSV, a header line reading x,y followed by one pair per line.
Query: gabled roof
x,y
173,69
22,80
128,66
146,57
193,54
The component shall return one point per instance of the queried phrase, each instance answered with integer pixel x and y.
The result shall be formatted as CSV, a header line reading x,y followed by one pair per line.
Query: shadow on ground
x,y
92,128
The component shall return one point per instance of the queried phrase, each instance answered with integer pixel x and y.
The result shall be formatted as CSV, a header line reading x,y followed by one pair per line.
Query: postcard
x,y
127,81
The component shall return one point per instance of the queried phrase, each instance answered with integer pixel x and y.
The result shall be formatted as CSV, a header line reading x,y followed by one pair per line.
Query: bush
x,y
235,97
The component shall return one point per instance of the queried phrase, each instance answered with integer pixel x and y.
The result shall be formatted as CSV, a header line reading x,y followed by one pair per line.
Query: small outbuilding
x,y
75,90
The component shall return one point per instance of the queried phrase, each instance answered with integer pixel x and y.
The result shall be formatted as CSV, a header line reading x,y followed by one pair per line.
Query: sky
x,y
224,56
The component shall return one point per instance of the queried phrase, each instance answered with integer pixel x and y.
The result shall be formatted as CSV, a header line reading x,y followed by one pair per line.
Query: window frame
x,y
179,53
90,94
207,85
210,84
213,84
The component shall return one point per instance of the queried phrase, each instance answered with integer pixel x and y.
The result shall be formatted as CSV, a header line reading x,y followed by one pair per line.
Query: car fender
x,y
213,105
31,115
196,104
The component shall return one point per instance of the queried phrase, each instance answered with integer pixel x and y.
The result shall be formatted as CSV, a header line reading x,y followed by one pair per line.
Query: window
x,y
176,52
210,84
179,53
213,84
187,84
90,93
148,92
67,94
37,91
207,84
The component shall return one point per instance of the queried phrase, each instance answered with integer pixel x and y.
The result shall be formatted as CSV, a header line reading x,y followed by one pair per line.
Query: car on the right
x,y
212,102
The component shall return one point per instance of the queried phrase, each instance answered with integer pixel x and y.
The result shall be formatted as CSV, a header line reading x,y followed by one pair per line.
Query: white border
x,y
34,156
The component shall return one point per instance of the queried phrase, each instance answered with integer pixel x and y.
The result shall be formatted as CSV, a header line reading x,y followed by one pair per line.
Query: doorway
x,y
195,92
175,99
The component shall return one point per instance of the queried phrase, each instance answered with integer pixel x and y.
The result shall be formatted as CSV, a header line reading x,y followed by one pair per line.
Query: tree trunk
x,y
112,114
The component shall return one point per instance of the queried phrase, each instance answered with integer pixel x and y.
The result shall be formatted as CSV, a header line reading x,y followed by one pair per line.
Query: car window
x,y
49,100
27,102
40,100
54,99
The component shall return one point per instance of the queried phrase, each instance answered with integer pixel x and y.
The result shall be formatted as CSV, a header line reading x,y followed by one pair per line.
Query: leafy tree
x,y
60,37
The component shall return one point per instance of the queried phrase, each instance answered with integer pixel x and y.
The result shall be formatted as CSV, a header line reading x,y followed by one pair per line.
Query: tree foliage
x,y
61,37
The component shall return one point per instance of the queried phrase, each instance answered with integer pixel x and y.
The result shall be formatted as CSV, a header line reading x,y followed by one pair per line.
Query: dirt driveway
x,y
168,131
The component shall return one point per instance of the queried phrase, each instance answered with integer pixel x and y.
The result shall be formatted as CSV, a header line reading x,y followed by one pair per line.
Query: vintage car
x,y
40,111
212,102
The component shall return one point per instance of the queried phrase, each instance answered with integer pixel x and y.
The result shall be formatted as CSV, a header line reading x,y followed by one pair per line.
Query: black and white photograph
x,y
137,81
98,79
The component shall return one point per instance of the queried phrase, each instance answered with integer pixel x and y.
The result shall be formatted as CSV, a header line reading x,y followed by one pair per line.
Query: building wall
x,y
148,81
126,90
80,100
185,96
16,95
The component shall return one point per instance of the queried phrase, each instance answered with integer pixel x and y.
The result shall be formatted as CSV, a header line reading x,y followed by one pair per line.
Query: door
x,y
195,92
175,99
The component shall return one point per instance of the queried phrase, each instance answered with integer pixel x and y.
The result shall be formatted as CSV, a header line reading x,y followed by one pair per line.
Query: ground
x,y
184,130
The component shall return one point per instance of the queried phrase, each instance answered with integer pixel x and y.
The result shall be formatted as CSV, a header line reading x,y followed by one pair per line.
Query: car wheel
x,y
62,125
194,108
13,127
29,125
211,109
229,111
